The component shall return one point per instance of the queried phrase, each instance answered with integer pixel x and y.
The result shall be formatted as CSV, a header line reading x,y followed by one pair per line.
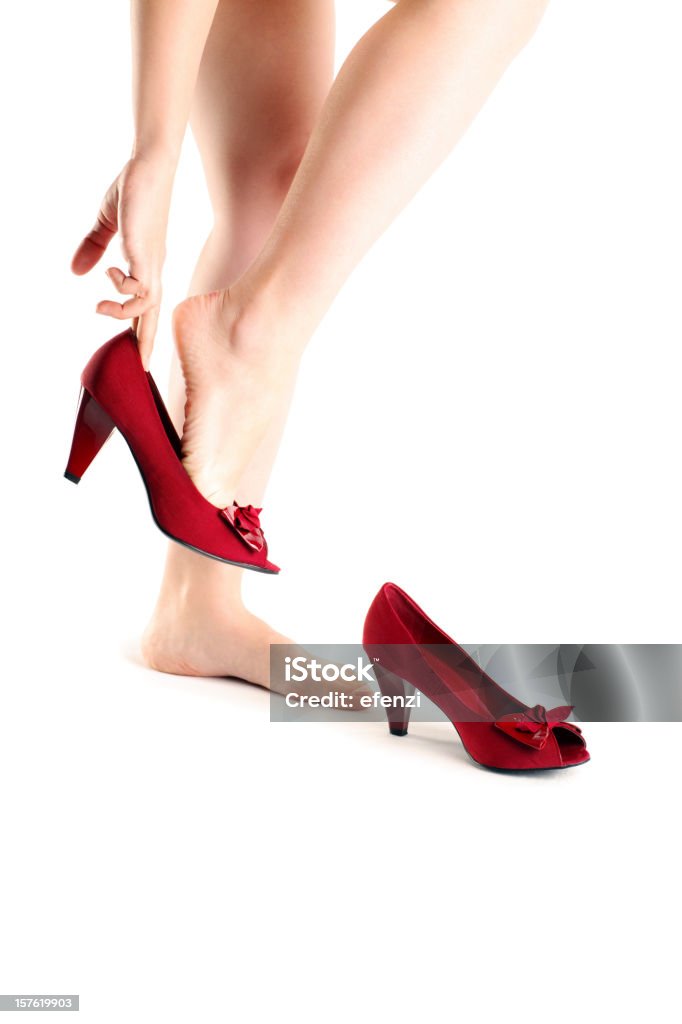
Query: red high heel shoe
x,y
118,393
497,730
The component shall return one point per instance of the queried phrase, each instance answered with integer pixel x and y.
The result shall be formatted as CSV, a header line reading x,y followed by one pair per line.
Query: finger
x,y
146,332
93,246
125,311
124,284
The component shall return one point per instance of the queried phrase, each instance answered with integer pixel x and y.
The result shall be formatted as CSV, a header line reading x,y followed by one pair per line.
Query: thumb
x,y
145,329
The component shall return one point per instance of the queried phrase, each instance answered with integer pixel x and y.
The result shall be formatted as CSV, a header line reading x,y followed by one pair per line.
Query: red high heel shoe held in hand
x,y
497,730
118,393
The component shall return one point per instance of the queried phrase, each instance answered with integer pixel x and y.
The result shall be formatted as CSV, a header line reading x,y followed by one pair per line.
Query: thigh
x,y
266,71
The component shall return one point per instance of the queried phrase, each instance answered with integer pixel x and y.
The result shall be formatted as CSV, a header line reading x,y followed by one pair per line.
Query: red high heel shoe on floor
x,y
118,394
497,730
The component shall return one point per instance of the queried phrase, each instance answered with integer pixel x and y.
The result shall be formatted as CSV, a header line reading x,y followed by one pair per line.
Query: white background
x,y
498,384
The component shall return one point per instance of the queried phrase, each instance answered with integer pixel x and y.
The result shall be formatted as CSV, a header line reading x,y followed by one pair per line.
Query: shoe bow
x,y
245,522
534,725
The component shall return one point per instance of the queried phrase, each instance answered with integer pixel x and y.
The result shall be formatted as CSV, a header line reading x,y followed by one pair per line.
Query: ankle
x,y
194,592
247,322
262,325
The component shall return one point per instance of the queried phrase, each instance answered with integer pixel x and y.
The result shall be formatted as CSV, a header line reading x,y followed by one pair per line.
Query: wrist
x,y
162,157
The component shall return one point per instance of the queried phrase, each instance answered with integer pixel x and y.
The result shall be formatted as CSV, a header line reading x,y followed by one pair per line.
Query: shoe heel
x,y
93,427
398,690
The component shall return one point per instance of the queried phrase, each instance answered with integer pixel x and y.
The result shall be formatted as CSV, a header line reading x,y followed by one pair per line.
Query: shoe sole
x,y
507,771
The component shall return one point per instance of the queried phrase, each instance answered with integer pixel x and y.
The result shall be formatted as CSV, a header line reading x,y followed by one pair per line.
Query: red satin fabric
x,y
245,521
533,726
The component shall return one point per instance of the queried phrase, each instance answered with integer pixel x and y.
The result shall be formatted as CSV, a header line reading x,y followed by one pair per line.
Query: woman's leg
x,y
403,98
266,71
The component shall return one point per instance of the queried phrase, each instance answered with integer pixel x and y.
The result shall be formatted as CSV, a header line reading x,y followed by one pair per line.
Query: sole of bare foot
x,y
234,376
236,647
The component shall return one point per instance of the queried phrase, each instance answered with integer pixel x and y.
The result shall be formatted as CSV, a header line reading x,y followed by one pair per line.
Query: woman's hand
x,y
136,206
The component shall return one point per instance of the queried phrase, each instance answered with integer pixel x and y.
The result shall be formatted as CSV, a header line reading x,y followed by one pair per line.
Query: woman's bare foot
x,y
203,641
210,643
236,373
